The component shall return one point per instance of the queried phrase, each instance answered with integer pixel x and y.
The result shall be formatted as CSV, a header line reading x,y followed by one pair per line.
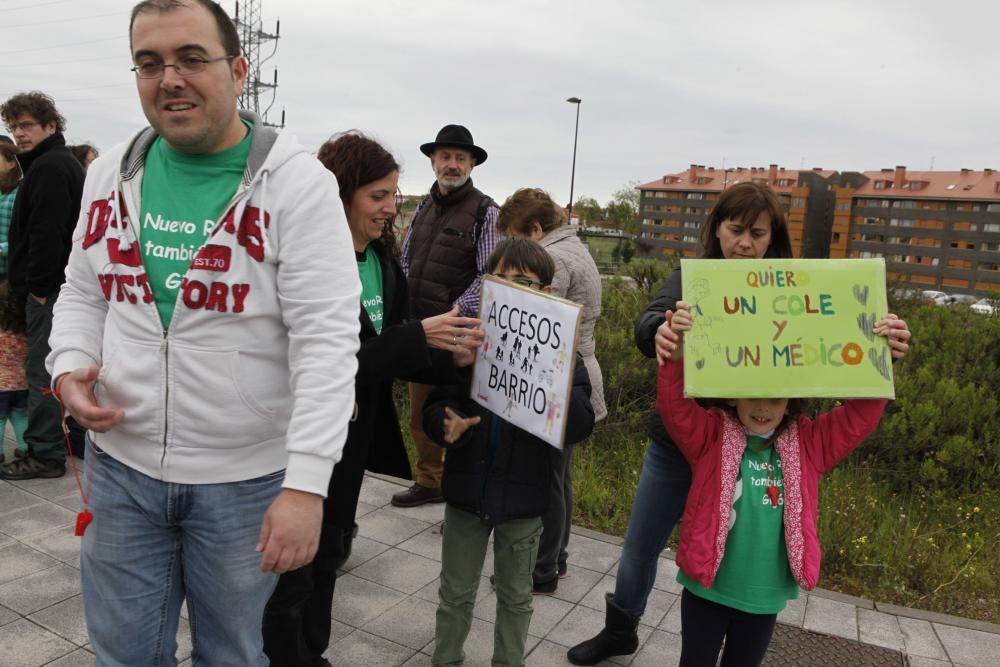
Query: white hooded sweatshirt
x,y
256,370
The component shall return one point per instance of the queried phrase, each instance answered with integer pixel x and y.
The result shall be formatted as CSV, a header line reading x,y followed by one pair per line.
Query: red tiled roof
x,y
716,179
964,184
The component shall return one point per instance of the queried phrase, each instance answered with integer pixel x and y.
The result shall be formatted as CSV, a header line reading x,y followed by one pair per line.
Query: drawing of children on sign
x,y
552,413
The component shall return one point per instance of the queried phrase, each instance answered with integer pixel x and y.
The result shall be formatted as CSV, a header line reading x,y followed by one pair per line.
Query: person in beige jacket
x,y
531,213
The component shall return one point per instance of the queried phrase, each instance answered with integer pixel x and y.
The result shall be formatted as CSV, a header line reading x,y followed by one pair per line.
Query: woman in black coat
x,y
297,617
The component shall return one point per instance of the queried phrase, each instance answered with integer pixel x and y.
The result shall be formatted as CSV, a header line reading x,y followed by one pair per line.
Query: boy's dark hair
x,y
11,317
228,34
36,104
524,254
745,202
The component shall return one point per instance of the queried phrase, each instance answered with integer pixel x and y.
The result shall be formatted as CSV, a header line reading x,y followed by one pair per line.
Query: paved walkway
x,y
384,607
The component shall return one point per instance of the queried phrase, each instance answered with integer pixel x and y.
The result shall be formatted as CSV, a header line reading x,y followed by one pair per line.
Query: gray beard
x,y
448,187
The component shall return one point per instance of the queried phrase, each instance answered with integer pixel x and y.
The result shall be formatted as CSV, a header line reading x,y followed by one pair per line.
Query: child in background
x,y
13,385
497,479
748,541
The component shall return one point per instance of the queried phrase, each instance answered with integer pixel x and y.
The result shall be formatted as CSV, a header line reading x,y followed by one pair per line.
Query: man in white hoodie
x,y
206,336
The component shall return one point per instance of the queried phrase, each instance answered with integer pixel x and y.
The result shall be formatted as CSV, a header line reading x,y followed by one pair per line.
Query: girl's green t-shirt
x,y
754,575
183,197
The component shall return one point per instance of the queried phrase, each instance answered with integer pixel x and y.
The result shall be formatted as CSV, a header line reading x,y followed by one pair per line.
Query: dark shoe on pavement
x,y
28,467
545,587
618,637
562,570
416,495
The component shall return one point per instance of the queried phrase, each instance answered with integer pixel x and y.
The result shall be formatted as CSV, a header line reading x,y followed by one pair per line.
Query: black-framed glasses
x,y
185,66
521,280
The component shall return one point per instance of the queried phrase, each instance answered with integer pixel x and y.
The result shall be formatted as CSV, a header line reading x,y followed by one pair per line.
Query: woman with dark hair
x,y
530,213
297,618
747,222
10,178
84,153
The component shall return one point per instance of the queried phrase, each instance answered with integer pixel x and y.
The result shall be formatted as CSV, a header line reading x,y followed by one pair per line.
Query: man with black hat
x,y
444,256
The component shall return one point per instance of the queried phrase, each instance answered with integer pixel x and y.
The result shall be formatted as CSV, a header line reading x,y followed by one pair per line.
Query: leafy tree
x,y
588,210
623,209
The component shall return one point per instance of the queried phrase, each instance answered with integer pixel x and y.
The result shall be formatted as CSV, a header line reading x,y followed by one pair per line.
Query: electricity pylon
x,y
250,26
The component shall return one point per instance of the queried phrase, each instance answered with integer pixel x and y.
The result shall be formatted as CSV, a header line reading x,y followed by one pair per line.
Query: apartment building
x,y
936,229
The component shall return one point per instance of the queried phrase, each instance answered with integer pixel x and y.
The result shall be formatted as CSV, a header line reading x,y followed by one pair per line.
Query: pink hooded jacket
x,y
713,442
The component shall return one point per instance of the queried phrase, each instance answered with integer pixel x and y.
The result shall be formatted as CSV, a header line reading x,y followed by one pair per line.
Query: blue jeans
x,y
151,545
658,506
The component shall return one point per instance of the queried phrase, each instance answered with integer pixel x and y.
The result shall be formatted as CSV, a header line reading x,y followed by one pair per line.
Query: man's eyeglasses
x,y
23,125
185,66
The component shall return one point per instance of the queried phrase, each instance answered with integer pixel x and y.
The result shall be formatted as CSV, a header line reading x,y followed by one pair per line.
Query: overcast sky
x,y
845,85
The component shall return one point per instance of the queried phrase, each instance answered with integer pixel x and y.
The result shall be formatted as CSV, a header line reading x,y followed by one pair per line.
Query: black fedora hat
x,y
455,136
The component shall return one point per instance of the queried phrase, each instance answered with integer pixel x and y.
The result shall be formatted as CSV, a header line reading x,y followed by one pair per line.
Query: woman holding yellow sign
x,y
747,222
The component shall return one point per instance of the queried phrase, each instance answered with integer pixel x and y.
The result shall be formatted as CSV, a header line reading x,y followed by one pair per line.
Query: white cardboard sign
x,y
524,368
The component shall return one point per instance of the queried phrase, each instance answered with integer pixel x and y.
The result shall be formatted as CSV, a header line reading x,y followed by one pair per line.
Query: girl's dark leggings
x,y
704,624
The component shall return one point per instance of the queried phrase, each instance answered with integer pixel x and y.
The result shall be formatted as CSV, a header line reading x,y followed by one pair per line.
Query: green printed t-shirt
x,y
370,271
754,575
183,197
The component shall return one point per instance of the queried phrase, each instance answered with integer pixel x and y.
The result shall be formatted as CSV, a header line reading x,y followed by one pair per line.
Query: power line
x,y
59,46
63,62
75,18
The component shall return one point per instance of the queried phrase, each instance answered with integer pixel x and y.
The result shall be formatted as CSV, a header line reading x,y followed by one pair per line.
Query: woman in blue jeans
x,y
747,222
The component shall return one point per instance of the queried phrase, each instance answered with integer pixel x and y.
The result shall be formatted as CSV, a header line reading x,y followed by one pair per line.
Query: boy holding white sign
x,y
749,541
497,479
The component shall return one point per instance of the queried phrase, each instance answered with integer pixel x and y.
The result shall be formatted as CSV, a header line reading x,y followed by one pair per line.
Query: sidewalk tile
x,y
577,584
795,611
35,519
388,527
20,561
418,660
428,512
51,489
378,492
672,621
362,551
410,623
361,649
66,619
363,509
547,612
399,570
479,645
831,617
78,658
594,599
546,654
358,601
666,577
13,499
426,544
593,554
662,648
581,624
969,647
8,616
41,589
24,644
919,639
658,605
917,661
60,543
880,629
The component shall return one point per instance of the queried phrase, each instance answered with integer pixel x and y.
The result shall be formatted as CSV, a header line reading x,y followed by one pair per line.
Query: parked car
x,y
930,295
984,307
955,299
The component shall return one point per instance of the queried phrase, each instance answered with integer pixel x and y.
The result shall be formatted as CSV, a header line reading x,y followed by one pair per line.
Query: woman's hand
x,y
450,332
455,425
896,332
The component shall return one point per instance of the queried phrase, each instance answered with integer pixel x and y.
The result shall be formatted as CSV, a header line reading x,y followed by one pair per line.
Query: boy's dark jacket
x,y
516,481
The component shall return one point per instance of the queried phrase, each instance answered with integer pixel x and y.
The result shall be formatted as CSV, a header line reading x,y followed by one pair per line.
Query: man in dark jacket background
x,y
444,255
41,229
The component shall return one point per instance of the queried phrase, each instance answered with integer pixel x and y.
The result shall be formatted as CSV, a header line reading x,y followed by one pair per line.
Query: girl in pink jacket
x,y
748,540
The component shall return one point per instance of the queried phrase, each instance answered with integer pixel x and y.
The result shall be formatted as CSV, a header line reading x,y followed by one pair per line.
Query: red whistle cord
x,y
84,517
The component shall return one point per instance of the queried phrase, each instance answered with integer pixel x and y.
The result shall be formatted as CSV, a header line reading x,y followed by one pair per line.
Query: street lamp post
x,y
576,133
